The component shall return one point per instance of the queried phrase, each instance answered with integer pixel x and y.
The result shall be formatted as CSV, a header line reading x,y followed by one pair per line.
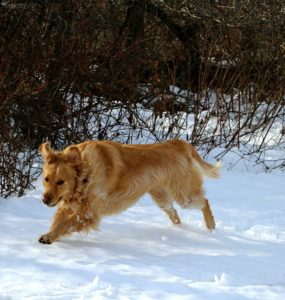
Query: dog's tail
x,y
205,168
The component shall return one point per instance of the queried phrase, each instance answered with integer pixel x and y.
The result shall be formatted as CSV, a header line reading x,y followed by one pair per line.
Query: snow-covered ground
x,y
140,255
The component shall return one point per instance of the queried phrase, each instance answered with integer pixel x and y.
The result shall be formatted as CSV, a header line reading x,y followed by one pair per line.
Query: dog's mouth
x,y
52,204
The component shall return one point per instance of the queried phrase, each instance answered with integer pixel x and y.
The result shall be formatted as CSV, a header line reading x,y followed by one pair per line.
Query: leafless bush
x,y
211,72
18,169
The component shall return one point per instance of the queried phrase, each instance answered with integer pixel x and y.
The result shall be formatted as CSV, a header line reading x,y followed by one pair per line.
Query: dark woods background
x,y
76,70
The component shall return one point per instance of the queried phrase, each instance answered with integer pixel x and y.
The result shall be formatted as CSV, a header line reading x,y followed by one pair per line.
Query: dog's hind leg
x,y
200,202
164,200
208,216
196,200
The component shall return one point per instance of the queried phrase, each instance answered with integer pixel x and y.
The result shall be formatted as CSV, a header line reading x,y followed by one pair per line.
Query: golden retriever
x,y
98,178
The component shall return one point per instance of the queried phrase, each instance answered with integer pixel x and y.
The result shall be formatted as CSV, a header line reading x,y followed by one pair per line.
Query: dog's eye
x,y
60,182
47,179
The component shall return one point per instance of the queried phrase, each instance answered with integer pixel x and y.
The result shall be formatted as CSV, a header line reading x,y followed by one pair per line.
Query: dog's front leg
x,y
79,221
62,214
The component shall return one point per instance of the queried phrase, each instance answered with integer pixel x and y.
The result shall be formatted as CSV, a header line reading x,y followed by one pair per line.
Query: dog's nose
x,y
47,198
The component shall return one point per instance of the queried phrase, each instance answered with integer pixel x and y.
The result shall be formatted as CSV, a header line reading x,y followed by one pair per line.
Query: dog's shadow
x,y
160,241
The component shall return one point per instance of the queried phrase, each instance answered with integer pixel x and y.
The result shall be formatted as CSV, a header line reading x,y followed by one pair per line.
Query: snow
x,y
139,255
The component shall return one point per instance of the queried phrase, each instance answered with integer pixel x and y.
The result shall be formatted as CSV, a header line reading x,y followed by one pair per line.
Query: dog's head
x,y
60,173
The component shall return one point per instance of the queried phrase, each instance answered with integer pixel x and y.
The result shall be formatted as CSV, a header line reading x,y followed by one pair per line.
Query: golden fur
x,y
98,178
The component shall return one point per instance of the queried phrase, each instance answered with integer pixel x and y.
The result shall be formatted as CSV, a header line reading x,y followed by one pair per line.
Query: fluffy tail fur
x,y
206,169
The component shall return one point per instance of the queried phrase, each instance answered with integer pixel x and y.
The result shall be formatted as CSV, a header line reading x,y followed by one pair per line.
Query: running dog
x,y
100,178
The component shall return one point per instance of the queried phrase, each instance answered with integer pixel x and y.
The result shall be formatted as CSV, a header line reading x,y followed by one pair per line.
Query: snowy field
x,y
139,255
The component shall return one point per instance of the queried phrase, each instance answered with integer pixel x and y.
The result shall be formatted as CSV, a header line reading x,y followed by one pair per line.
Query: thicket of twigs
x,y
76,70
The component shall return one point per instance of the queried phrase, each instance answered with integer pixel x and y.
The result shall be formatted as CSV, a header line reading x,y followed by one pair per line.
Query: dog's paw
x,y
211,225
45,239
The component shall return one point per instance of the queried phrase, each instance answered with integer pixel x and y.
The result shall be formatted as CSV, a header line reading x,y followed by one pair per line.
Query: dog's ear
x,y
73,156
47,152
